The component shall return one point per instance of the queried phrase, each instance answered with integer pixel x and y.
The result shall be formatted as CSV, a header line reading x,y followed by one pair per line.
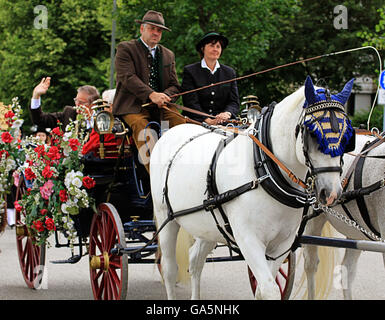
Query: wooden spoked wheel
x,y
284,278
31,256
109,273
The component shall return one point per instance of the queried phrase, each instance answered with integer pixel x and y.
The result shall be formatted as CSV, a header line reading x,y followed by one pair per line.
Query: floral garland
x,y
10,153
56,186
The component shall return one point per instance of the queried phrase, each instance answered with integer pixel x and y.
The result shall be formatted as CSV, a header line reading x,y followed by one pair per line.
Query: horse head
x,y
327,134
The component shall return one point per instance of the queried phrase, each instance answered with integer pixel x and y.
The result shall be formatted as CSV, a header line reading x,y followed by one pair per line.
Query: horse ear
x,y
310,94
343,96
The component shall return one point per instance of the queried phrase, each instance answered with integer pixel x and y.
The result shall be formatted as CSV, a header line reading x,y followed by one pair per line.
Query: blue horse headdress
x,y
325,117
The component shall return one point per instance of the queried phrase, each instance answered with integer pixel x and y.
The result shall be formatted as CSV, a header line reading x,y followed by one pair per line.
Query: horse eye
x,y
312,135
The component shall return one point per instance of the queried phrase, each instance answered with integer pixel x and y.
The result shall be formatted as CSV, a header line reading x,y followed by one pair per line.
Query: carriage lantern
x,y
103,119
252,108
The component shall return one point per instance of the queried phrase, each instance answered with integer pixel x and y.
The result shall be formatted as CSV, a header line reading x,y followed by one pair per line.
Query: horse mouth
x,y
328,198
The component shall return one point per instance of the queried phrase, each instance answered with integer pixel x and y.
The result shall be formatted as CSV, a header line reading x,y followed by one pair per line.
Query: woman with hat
x,y
221,101
43,134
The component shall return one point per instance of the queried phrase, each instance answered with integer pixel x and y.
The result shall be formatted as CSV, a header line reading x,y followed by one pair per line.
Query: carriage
x,y
123,228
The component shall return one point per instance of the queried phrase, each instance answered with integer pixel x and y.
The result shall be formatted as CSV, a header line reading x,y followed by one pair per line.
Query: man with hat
x,y
221,101
145,72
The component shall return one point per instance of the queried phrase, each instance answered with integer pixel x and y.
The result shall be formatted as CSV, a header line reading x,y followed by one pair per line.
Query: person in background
x,y
43,134
108,96
221,101
86,95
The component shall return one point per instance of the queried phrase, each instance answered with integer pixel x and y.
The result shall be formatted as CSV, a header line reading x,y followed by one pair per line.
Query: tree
x,y
72,49
75,48
251,27
310,32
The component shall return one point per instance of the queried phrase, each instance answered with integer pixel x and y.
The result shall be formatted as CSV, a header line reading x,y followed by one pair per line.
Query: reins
x,y
280,67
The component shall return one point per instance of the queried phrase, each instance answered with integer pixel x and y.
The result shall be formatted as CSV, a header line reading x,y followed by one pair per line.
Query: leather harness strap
x,y
358,191
291,175
362,154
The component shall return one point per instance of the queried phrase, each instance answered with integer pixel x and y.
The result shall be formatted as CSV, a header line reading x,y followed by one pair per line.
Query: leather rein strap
x,y
291,175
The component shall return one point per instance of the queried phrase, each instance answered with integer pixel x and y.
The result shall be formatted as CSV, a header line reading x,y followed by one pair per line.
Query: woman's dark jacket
x,y
213,100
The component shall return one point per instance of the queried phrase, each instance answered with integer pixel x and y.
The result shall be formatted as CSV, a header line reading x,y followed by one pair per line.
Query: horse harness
x,y
359,191
268,174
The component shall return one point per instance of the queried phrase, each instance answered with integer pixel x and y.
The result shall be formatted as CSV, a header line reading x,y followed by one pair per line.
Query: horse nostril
x,y
322,196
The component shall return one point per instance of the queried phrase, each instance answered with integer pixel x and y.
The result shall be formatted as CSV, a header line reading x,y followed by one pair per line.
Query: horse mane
x,y
290,103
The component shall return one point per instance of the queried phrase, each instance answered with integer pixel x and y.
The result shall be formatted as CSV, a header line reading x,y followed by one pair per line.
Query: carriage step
x,y
142,225
71,260
135,252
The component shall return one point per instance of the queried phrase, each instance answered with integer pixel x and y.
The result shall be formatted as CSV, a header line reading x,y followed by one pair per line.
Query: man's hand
x,y
159,98
41,88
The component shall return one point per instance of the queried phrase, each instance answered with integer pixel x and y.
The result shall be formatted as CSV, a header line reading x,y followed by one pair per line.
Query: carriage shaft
x,y
365,245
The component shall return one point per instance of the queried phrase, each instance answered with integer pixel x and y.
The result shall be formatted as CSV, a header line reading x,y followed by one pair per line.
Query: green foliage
x,y
75,48
72,50
376,120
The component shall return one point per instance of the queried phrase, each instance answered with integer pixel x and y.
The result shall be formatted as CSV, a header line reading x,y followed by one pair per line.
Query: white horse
x,y
372,172
262,226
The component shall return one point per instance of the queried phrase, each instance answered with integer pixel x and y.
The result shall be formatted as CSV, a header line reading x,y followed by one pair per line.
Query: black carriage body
x,y
122,181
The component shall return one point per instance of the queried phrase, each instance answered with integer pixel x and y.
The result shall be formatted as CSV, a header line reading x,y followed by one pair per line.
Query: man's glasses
x,y
84,103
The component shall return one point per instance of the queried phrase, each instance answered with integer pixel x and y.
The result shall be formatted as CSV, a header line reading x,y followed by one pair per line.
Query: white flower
x,y
67,136
17,123
64,207
77,182
11,164
71,177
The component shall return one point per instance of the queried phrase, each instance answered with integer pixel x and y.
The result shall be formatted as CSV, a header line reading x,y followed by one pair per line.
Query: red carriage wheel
x,y
31,256
109,272
284,278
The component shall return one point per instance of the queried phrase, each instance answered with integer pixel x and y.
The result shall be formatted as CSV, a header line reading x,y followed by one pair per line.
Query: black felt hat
x,y
210,36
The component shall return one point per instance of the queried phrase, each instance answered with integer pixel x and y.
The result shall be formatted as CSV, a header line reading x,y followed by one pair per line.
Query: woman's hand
x,y
223,117
211,122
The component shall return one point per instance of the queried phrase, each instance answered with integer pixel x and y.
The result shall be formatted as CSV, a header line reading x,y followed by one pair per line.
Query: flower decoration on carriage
x,y
56,186
325,117
10,152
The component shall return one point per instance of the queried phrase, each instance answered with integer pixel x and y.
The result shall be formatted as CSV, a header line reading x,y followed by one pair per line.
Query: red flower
x,y
47,172
57,131
38,225
17,206
74,143
9,114
6,137
43,212
29,174
6,153
40,151
50,224
54,153
88,182
63,196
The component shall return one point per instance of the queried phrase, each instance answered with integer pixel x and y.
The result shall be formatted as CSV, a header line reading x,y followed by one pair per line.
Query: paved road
x,y
227,281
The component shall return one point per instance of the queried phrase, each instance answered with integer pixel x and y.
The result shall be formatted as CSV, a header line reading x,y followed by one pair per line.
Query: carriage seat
x,y
111,145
